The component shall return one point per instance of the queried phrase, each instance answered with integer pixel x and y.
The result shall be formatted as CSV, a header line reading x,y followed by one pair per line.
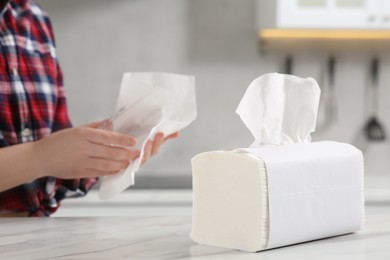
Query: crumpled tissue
x,y
149,103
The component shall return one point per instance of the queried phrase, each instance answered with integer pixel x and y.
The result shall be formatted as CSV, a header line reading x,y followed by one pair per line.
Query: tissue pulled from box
x,y
280,109
149,103
283,189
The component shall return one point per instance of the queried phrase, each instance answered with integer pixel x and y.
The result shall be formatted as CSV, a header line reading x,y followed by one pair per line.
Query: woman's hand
x,y
152,147
84,152
72,153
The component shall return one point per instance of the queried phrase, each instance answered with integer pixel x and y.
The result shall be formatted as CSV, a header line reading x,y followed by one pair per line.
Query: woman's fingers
x,y
109,138
153,147
147,151
136,154
108,160
158,140
111,153
105,165
171,136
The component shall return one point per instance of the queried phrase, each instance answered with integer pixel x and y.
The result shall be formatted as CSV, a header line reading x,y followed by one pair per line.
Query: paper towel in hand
x,y
283,189
280,109
149,103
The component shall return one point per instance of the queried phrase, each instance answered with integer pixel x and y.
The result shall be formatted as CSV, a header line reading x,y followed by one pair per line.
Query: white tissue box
x,y
262,198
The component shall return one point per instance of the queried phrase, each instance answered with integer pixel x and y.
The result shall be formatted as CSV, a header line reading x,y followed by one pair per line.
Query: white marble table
x,y
166,237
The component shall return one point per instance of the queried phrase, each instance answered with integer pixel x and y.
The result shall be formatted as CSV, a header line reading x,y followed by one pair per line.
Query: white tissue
x,y
280,109
149,103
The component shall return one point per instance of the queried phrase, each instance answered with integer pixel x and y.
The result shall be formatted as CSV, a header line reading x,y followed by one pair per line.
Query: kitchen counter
x,y
165,236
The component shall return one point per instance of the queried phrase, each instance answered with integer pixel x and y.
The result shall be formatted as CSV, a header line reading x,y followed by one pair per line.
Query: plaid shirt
x,y
32,103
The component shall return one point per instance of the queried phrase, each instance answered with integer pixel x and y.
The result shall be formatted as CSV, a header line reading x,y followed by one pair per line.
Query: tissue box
x,y
260,198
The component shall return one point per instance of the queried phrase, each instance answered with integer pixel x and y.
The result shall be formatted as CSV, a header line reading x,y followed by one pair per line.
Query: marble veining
x,y
166,237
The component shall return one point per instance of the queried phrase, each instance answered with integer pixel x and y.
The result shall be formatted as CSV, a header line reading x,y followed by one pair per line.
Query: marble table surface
x,y
165,236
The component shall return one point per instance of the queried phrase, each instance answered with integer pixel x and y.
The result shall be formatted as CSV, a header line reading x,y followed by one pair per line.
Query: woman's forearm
x,y
18,165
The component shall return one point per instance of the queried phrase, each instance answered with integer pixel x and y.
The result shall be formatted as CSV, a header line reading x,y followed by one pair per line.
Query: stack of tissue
x,y
149,103
283,189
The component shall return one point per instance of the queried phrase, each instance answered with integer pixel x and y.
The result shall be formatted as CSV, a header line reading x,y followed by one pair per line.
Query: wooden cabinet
x,y
328,40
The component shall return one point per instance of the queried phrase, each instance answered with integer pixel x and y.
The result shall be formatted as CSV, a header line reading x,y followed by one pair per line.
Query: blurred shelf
x,y
325,40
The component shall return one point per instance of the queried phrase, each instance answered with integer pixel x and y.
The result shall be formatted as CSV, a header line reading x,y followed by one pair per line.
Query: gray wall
x,y
215,40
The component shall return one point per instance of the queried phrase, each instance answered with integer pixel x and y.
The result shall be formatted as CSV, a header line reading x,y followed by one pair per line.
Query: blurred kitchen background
x,y
226,44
